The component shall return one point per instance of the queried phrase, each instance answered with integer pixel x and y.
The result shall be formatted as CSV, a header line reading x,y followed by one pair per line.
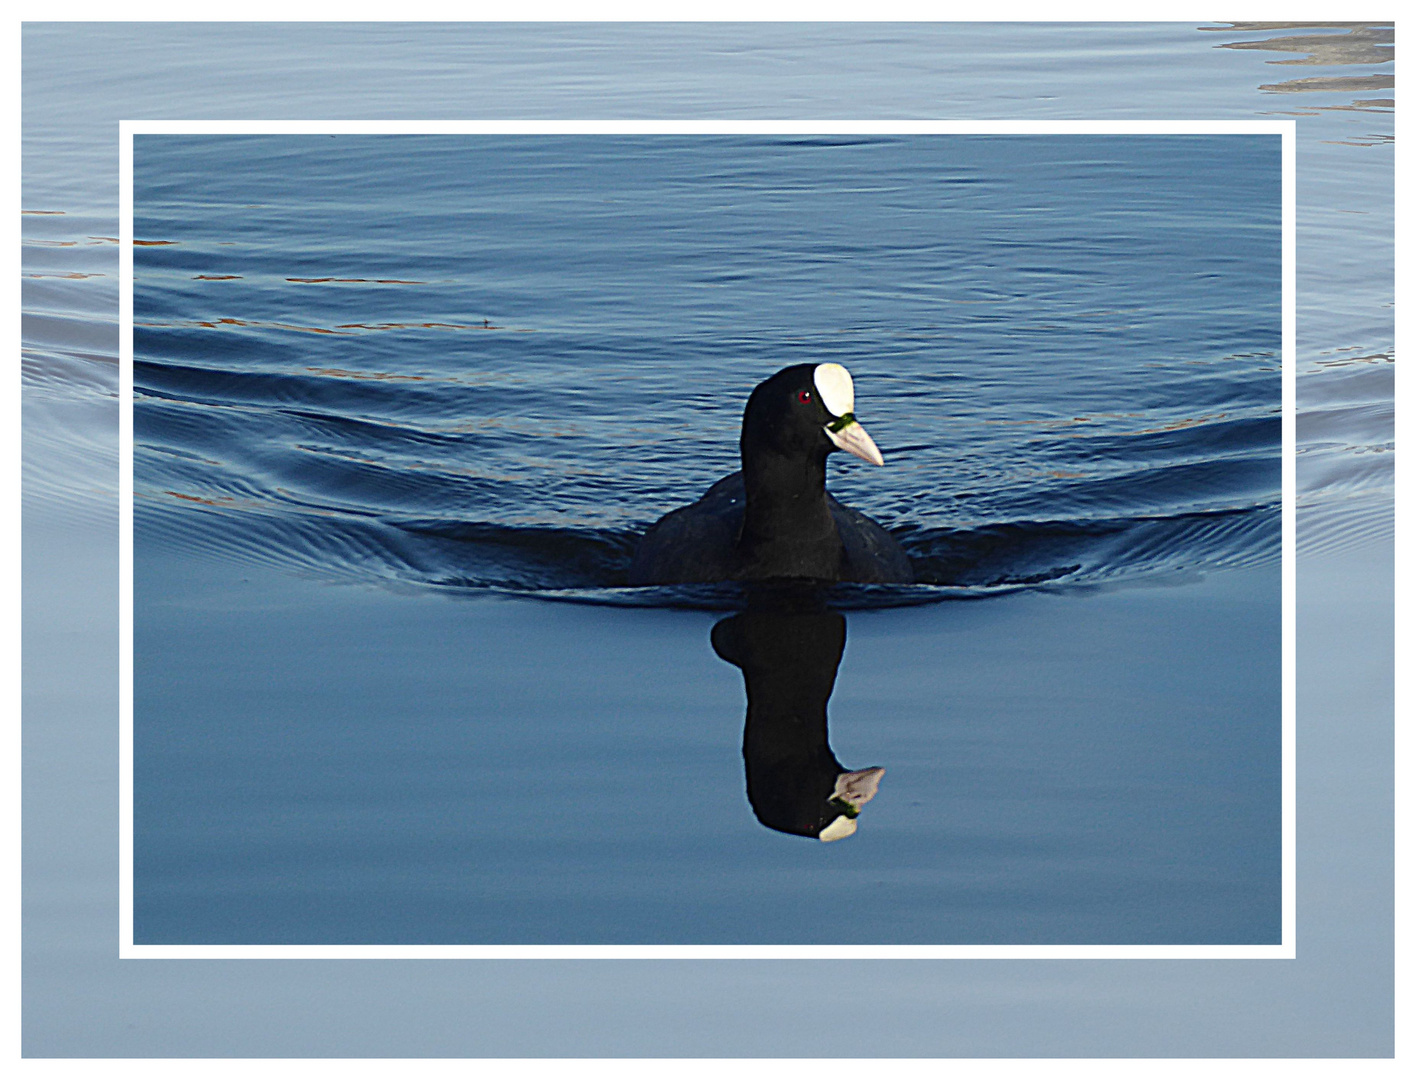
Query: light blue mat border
x,y
80,1000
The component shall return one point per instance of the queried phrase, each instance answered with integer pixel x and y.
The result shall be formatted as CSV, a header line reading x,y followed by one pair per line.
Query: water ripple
x,y
404,442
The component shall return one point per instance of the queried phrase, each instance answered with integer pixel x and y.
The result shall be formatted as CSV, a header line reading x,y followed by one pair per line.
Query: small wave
x,y
1021,553
734,596
528,559
589,566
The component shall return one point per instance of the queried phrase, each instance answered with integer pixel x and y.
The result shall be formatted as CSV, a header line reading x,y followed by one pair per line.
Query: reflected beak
x,y
859,787
839,829
851,437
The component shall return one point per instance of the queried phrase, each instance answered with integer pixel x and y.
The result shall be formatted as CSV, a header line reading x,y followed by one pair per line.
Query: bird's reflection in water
x,y
789,645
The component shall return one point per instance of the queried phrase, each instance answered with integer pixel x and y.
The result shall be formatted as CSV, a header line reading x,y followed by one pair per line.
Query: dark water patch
x,y
1337,44
1345,42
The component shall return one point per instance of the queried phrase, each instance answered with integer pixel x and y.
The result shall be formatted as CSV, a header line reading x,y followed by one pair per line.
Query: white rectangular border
x,y
1285,950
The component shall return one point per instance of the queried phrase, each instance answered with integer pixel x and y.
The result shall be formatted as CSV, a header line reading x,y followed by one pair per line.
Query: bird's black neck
x,y
788,530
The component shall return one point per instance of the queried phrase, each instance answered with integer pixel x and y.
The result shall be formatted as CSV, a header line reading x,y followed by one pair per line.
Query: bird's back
x,y
872,554
695,543
699,542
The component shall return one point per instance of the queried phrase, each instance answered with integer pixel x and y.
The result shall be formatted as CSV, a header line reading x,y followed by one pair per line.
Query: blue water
x,y
490,362
325,763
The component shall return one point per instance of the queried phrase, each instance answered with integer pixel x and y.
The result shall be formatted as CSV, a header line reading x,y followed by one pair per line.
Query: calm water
x,y
464,370
475,361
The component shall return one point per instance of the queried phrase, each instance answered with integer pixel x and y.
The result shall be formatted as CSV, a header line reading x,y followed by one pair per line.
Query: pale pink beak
x,y
851,438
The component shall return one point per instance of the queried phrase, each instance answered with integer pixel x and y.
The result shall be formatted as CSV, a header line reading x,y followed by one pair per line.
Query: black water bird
x,y
775,519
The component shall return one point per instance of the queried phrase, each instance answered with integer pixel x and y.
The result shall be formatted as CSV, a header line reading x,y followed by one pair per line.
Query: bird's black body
x,y
774,519
701,543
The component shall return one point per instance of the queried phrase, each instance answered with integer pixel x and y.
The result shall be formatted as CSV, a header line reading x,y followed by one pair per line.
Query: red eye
x,y
804,397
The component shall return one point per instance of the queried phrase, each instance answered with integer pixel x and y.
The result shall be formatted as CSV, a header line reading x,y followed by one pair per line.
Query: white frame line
x,y
1285,950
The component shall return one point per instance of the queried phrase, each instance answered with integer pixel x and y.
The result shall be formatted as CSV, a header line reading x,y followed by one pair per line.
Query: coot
x,y
775,519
